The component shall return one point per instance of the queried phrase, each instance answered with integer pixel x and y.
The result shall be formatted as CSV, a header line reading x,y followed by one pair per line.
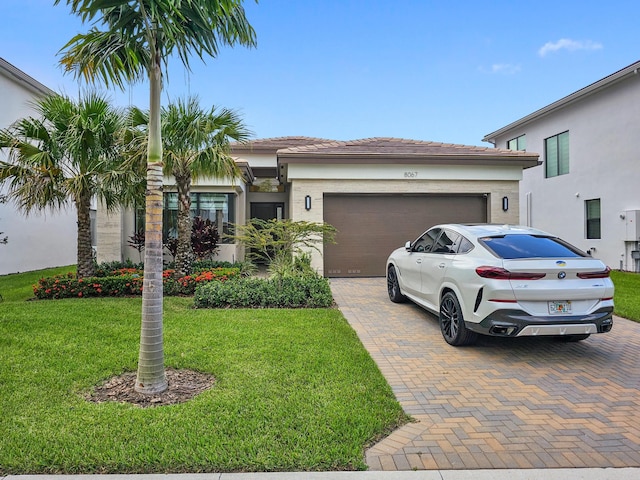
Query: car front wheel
x,y
393,287
452,324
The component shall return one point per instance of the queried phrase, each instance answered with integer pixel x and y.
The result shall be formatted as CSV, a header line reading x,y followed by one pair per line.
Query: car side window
x,y
446,242
426,241
465,245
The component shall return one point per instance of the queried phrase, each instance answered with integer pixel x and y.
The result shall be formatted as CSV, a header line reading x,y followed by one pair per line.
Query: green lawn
x,y
627,295
295,389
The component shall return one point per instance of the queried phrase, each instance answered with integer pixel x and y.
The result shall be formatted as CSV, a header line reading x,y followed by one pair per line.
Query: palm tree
x,y
195,144
138,38
71,153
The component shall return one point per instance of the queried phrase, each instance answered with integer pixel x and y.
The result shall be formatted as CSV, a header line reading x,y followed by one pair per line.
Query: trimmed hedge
x,y
124,282
285,292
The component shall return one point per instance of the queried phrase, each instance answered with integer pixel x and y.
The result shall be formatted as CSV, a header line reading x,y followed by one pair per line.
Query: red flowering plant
x,y
125,282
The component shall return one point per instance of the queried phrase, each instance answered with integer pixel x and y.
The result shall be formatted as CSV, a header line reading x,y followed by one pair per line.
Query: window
x,y
529,246
217,207
518,143
556,151
447,242
425,242
592,215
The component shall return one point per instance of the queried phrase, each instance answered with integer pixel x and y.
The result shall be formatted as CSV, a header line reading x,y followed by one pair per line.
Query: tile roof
x,y
393,149
273,144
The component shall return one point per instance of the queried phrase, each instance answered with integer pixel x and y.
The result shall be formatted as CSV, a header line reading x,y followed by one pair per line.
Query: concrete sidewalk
x,y
506,474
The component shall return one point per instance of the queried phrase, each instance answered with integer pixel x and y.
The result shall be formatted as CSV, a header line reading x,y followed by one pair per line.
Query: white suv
x,y
502,280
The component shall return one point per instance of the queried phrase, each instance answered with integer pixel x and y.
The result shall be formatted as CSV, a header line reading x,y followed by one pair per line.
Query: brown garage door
x,y
370,227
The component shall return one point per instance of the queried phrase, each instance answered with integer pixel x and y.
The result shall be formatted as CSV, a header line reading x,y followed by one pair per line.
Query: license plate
x,y
556,308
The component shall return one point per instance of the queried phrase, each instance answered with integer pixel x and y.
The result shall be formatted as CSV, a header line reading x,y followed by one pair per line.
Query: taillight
x,y
498,273
601,274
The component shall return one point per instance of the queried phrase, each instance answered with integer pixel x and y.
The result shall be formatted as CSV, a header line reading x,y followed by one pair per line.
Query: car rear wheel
x,y
393,287
452,324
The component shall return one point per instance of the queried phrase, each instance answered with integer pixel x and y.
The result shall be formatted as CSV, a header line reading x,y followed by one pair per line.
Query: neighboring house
x,y
42,239
378,193
587,188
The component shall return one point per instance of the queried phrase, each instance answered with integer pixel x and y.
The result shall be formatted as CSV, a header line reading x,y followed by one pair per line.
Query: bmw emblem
x,y
562,275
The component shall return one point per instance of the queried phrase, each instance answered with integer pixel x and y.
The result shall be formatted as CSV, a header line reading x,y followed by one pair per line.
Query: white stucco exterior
x,y
40,240
603,121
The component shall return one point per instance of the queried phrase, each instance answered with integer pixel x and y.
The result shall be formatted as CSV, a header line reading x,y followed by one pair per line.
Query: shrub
x,y
69,286
187,285
285,292
124,282
268,239
106,269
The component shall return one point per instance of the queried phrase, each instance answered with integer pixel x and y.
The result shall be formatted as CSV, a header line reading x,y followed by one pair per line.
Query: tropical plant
x,y
137,241
203,241
137,39
70,153
195,144
279,242
204,238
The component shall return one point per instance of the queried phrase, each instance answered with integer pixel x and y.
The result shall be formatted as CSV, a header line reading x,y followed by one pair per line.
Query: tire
x,y
393,286
573,338
452,324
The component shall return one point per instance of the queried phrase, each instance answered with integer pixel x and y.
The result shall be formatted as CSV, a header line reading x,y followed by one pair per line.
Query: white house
x,y
587,188
377,192
42,239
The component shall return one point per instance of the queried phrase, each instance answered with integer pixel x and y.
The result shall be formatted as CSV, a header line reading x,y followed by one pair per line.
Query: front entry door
x,y
267,210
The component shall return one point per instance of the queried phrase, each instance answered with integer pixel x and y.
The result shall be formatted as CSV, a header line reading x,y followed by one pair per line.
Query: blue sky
x,y
438,70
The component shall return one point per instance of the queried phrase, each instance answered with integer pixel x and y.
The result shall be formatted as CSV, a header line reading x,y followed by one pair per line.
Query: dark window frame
x,y
169,223
593,219
520,143
557,155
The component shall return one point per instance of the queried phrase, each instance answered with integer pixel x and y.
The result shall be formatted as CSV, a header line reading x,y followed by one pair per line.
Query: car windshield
x,y
530,246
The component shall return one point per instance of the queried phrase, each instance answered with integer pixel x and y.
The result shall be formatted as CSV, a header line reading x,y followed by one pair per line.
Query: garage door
x,y
370,227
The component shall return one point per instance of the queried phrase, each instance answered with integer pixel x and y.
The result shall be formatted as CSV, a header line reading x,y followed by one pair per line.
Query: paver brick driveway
x,y
503,403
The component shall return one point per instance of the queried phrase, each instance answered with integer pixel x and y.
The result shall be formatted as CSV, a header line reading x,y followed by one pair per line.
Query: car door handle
x,y
418,260
442,265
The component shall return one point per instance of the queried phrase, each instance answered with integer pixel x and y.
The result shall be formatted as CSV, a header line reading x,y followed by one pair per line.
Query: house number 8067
x,y
410,174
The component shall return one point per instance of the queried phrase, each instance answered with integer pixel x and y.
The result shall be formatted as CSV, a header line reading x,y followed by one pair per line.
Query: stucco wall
x,y
42,240
603,158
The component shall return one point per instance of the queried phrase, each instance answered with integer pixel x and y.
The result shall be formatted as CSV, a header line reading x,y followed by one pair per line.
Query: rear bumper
x,y
516,323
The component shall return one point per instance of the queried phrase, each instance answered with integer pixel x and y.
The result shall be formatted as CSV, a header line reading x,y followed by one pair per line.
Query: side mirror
x,y
407,246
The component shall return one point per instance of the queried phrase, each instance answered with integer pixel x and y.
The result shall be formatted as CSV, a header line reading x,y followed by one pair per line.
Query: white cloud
x,y
505,68
568,44
502,68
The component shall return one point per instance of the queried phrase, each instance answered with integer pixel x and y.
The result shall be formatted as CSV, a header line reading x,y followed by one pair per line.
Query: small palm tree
x,y
137,39
195,144
69,154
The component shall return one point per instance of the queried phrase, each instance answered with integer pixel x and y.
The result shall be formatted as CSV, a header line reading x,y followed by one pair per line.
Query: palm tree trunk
x,y
151,377
184,254
84,250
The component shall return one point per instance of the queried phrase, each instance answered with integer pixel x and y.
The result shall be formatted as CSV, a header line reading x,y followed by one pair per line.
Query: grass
x,y
295,389
19,286
626,298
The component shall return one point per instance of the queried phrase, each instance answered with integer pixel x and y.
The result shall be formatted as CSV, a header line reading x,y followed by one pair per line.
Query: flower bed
x,y
125,282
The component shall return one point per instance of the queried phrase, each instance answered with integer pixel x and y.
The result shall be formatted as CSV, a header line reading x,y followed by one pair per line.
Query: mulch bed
x,y
183,385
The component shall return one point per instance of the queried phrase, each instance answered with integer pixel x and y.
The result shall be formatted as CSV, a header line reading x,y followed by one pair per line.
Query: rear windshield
x,y
530,246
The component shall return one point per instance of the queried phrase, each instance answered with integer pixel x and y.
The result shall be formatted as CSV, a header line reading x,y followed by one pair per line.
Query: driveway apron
x,y
502,403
